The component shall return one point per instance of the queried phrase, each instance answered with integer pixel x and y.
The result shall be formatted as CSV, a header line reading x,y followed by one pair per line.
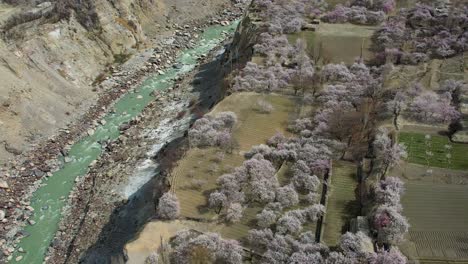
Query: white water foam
x,y
168,130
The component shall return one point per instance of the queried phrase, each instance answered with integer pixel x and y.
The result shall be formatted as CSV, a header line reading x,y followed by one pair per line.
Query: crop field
x,y
336,43
341,204
435,151
438,217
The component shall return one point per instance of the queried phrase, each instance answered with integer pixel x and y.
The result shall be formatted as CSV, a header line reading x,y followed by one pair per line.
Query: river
x,y
48,201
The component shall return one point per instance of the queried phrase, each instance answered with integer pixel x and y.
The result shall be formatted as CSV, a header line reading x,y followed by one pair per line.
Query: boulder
x,y
4,184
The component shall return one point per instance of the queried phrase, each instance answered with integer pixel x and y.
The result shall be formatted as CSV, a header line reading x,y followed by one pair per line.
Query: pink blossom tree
x,y
393,256
390,225
338,258
234,213
287,196
266,218
260,238
217,201
389,191
168,207
212,130
353,244
387,152
432,108
289,224
313,212
396,106
192,247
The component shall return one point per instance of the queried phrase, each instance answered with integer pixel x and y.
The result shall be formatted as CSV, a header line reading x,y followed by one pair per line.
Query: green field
x,y
436,151
341,205
438,216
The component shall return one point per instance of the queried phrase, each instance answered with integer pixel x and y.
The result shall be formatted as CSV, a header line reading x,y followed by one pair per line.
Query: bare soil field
x,y
156,233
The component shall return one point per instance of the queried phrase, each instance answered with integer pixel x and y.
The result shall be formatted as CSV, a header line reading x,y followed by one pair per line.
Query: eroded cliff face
x,y
51,54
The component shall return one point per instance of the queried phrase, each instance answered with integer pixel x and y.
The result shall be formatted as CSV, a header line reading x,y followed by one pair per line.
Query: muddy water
x,y
49,200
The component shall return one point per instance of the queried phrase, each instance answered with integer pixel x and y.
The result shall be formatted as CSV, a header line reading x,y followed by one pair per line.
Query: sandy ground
x,y
157,232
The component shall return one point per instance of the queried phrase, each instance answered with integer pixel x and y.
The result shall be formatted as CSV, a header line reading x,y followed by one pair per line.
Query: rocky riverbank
x,y
103,216
23,175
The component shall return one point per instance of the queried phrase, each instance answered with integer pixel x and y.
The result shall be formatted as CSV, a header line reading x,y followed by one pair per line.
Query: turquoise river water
x,y
49,200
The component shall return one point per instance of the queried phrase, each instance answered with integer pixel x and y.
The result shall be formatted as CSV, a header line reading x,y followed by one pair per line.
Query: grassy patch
x,y
341,204
335,43
255,127
199,166
435,151
203,165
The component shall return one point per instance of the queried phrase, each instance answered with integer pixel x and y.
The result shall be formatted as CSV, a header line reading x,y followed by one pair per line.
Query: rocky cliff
x,y
53,53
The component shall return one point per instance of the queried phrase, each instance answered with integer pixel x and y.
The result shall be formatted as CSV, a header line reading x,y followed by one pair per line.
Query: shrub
x,y
264,107
196,184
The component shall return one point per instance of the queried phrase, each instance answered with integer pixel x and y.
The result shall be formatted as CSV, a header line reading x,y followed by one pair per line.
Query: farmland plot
x,y
435,151
341,205
195,176
336,43
438,216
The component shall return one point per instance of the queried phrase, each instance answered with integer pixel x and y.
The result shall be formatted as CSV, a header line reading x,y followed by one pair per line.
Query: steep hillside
x,y
53,52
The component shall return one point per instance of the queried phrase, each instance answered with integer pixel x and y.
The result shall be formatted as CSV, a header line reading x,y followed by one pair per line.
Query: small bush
x,y
264,106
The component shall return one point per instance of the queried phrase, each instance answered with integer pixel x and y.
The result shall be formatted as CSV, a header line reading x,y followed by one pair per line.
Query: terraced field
x,y
435,151
341,204
438,216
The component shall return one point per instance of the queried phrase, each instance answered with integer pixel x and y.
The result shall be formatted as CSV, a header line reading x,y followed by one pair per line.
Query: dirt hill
x,y
51,54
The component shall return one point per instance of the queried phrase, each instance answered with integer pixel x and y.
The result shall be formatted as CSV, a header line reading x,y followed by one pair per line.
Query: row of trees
x,y
288,16
423,32
426,106
352,249
285,66
362,12
190,246
387,219
354,14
